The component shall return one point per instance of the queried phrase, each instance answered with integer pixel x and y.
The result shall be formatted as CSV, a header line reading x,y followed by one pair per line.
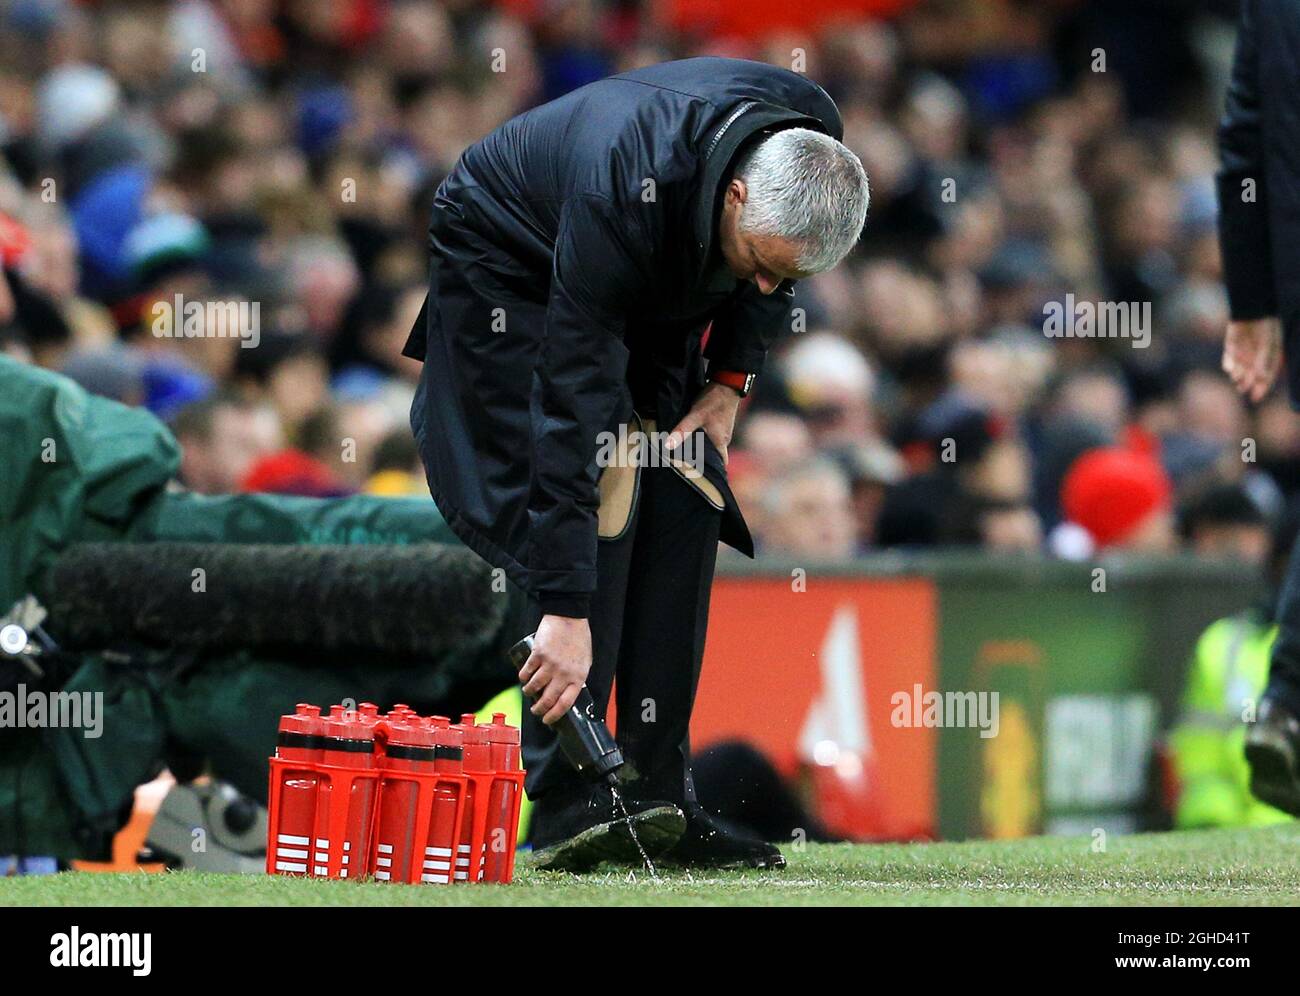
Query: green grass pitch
x,y
1232,867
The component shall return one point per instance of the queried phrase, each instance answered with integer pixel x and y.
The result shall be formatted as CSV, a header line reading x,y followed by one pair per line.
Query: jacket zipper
x,y
727,124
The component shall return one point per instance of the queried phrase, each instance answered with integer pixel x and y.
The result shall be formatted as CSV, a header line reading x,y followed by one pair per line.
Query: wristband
x,y
741,383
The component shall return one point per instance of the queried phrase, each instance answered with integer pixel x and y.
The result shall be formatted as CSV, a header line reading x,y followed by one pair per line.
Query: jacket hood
x,y
748,119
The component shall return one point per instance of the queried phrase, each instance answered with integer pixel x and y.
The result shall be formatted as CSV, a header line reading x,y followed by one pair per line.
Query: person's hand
x,y
6,299
715,412
557,668
1252,355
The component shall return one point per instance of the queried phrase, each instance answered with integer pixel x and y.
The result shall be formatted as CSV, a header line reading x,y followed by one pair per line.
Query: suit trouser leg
x,y
648,620
1284,669
550,776
663,634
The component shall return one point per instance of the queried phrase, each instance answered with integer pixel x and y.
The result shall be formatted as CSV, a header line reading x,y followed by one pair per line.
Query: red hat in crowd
x,y
15,240
292,472
1111,491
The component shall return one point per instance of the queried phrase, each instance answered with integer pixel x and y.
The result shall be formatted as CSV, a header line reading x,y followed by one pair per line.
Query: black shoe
x,y
1272,749
711,842
581,837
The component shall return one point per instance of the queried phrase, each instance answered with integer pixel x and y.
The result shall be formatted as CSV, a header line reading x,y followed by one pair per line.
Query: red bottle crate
x,y
399,797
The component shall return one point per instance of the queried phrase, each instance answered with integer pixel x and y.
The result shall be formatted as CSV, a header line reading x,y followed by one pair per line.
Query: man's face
x,y
1241,543
215,466
815,520
765,259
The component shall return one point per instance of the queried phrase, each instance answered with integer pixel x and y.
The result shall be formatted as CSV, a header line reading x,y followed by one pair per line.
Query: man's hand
x,y
1252,355
557,668
714,411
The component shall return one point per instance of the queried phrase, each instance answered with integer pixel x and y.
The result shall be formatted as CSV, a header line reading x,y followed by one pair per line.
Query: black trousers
x,y
1284,669
648,620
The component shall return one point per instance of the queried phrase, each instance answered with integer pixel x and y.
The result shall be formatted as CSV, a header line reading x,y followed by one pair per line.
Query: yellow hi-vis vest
x,y
1229,671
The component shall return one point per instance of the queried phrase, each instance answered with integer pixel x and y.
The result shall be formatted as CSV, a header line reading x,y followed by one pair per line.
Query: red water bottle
x,y
295,782
477,763
347,794
409,760
449,796
503,800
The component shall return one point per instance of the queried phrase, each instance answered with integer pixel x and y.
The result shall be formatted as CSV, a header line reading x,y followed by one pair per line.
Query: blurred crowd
x,y
286,152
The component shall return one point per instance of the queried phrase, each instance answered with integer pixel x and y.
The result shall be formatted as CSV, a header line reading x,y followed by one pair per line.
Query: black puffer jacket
x,y
588,226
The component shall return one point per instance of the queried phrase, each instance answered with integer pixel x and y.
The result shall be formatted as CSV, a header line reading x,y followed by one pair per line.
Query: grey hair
x,y
806,187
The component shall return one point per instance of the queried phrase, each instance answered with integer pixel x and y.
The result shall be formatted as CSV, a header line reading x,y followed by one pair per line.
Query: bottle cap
x,y
347,724
447,735
305,719
499,731
473,733
411,734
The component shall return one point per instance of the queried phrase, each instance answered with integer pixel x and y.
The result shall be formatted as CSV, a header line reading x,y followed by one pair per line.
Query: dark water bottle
x,y
584,739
